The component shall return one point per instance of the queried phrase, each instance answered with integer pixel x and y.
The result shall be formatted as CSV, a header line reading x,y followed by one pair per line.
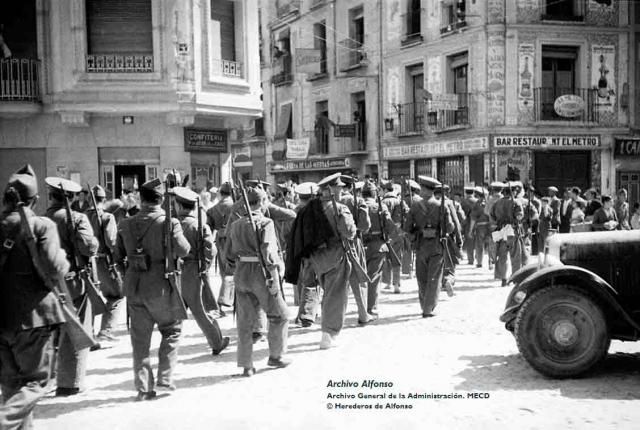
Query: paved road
x,y
463,354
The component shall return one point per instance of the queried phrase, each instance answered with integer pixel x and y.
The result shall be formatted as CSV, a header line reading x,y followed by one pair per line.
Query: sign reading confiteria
x,y
437,149
547,141
320,164
205,140
629,147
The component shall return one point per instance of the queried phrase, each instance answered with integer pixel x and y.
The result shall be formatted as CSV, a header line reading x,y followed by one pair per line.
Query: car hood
x,y
572,248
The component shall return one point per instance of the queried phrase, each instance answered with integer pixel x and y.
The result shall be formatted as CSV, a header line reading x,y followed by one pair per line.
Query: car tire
x,y
562,331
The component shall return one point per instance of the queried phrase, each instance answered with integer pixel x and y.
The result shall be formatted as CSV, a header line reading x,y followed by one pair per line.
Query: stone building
x,y
536,90
118,92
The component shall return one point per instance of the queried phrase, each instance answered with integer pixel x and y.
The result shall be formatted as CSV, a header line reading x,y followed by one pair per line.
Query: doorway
x,y
128,178
631,182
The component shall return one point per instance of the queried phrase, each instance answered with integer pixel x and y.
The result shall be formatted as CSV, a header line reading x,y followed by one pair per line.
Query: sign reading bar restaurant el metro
x,y
546,141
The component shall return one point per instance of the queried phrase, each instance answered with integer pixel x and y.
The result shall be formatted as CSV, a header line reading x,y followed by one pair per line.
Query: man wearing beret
x,y
29,312
191,280
241,251
150,298
80,244
111,288
424,222
217,218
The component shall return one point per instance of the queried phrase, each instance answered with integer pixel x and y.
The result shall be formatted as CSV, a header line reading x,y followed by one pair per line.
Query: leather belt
x,y
249,259
483,223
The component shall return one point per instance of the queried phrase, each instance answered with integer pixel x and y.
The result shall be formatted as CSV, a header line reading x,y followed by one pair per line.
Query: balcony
x,y
282,71
134,63
20,80
448,112
583,110
352,55
453,26
290,7
227,68
410,119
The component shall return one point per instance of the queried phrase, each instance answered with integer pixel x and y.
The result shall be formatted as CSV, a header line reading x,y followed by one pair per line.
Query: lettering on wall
x,y
526,84
495,78
603,72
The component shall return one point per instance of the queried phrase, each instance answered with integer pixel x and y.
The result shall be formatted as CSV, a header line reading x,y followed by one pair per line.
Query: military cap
x,y
387,185
497,184
257,183
428,182
413,185
552,189
469,189
98,191
185,195
255,195
24,181
154,185
284,188
307,189
516,184
591,190
113,205
335,180
369,187
479,190
358,185
58,184
444,187
226,188
347,179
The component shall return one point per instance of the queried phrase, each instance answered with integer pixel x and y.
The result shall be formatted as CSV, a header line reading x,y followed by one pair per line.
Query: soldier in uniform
x,y
81,243
495,194
150,298
507,213
398,210
424,222
252,290
110,285
29,312
467,203
375,247
191,280
285,197
555,204
217,218
527,225
412,195
479,227
453,253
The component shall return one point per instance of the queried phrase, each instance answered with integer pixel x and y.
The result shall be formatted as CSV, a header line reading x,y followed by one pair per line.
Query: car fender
x,y
574,275
523,273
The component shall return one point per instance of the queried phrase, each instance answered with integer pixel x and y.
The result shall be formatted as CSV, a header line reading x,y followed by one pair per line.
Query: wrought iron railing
x,y
116,63
228,68
447,111
359,142
452,26
282,69
545,98
353,54
20,80
410,118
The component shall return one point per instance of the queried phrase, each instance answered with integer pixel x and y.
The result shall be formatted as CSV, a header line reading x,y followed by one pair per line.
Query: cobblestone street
x,y
464,349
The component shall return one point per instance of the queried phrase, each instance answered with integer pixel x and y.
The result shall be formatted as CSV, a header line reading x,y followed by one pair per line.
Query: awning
x,y
284,120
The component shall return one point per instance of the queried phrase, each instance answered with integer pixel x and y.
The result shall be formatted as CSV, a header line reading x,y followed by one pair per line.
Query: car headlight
x,y
519,297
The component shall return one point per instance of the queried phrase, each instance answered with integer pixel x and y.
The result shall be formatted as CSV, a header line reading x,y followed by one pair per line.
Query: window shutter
x,y
119,27
223,11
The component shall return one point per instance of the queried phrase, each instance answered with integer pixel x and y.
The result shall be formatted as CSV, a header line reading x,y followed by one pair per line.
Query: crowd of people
x,y
154,252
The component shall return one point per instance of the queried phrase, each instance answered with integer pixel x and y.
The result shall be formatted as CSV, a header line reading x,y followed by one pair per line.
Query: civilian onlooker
x,y
593,204
622,209
577,214
635,218
605,218
566,207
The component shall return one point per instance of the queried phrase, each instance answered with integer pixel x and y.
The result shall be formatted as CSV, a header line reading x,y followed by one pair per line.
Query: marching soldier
x,y
217,218
495,194
425,223
555,204
375,247
151,298
241,250
191,279
398,210
286,197
467,203
106,231
30,313
507,213
412,195
479,228
526,226
78,240
453,254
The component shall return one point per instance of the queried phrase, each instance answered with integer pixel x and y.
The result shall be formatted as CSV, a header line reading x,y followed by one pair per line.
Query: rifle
x,y
171,269
392,255
98,302
80,337
361,272
263,264
113,270
207,294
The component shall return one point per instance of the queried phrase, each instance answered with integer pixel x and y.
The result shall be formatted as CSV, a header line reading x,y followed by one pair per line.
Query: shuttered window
x,y
223,11
119,27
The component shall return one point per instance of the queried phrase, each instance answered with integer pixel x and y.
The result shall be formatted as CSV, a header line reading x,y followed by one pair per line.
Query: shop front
x,y
311,169
548,160
206,148
627,164
124,169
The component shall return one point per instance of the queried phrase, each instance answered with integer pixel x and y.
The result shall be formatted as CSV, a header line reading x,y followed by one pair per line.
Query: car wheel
x,y
562,331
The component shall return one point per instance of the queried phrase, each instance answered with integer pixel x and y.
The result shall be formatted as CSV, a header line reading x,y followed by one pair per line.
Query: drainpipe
x,y
380,90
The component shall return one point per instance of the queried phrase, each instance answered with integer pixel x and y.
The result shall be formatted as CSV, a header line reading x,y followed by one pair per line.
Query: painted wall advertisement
x,y
603,76
242,156
526,85
495,79
297,149
513,165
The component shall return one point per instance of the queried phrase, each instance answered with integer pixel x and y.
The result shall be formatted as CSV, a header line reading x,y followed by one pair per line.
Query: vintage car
x,y
583,291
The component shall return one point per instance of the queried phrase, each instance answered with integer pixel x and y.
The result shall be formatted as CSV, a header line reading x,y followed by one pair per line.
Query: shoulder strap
x,y
6,245
146,229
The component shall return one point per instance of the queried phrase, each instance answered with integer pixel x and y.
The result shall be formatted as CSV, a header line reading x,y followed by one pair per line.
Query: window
x,y
282,59
119,36
322,127
453,15
413,18
225,52
558,77
458,66
356,36
563,10
320,43
412,113
360,120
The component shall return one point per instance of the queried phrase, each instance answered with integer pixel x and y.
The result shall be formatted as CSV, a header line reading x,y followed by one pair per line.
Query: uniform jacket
x,y
86,244
467,205
426,214
190,275
218,216
151,284
109,229
282,218
380,221
398,210
478,214
26,302
242,242
358,210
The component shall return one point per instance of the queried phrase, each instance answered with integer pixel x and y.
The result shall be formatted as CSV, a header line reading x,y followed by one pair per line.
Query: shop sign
x,y
628,147
317,164
547,141
437,149
298,148
569,106
344,130
242,156
205,140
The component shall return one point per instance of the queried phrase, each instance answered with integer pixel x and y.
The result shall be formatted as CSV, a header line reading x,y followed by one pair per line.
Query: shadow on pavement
x,y
54,410
616,378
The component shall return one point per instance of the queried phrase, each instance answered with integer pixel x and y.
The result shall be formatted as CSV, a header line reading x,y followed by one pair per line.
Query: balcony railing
x,y
446,111
134,63
20,80
453,26
282,71
228,68
545,98
559,17
291,6
412,25
353,54
411,119
359,142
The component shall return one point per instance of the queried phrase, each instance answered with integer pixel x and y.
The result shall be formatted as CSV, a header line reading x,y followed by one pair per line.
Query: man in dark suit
x,y
29,311
565,211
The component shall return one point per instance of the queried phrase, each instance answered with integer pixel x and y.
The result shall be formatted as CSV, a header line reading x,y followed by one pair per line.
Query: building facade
x,y
535,90
321,85
120,92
